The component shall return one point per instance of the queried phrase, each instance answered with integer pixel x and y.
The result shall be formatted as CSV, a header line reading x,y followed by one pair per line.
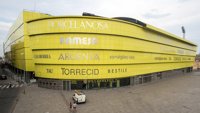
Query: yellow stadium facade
x,y
85,52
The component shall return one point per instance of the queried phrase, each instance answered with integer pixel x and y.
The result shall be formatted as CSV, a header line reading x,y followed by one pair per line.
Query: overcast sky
x,y
168,15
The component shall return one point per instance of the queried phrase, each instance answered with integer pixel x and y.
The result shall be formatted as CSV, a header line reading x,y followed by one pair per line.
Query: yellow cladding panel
x,y
30,66
92,41
16,36
27,41
18,45
169,41
30,16
101,26
27,65
20,64
18,30
103,71
23,53
82,25
103,57
21,57
33,15
152,28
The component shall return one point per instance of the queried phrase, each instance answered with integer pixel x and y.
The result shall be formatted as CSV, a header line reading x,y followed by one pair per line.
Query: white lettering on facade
x,y
66,71
78,56
73,24
78,40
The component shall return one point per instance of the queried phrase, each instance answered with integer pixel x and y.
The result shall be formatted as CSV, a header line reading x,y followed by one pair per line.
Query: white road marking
x,y
3,86
21,85
12,86
17,85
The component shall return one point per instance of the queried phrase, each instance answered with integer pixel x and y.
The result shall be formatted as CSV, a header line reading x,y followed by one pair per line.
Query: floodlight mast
x,y
183,31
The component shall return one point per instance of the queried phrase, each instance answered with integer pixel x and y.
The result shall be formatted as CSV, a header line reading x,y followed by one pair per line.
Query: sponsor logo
x,y
78,56
66,71
117,70
44,56
78,40
74,24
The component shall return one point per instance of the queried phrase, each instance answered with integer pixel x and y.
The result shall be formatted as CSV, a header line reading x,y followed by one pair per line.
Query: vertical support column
x,y
131,80
64,85
118,83
27,77
87,85
17,74
143,77
136,80
24,74
110,82
21,74
98,82
155,77
69,86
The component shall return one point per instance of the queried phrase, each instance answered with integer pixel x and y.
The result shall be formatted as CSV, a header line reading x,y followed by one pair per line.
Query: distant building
x,y
197,57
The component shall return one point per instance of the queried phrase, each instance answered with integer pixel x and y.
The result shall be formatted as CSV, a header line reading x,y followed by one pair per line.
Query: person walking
x,y
74,107
70,106
10,85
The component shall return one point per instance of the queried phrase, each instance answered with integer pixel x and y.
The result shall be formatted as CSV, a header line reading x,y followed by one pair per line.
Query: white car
x,y
79,97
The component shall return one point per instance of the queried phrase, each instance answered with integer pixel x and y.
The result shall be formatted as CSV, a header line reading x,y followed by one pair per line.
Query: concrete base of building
x,y
20,75
108,83
54,84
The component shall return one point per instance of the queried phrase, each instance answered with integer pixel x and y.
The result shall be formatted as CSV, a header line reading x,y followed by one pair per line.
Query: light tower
x,y
183,31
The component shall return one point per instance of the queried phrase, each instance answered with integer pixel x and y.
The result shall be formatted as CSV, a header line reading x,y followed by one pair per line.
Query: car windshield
x,y
79,92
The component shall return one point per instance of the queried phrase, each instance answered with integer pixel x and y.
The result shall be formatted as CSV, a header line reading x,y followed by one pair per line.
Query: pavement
x,y
39,100
178,94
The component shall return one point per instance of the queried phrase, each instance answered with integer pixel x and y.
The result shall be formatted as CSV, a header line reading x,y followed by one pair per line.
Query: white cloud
x,y
169,15
4,26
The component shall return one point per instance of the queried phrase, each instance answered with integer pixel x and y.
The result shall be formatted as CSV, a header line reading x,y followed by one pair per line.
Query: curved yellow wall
x,y
103,71
98,48
17,48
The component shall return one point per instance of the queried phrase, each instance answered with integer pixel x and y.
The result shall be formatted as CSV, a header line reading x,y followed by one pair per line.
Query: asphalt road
x,y
8,99
8,95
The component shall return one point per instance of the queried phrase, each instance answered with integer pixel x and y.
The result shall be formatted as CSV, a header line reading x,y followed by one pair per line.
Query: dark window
x,y
124,81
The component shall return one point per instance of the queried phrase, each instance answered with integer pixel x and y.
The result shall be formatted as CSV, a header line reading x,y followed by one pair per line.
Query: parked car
x,y
3,77
79,97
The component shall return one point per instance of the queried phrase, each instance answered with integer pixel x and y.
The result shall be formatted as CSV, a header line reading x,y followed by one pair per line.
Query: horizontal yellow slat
x,y
102,71
59,41
20,54
103,57
16,37
102,26
26,65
